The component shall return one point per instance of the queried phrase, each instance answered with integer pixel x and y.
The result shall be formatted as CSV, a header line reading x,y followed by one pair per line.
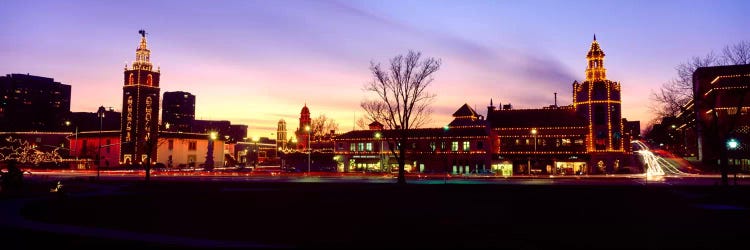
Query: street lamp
x,y
533,132
100,113
380,151
67,123
309,150
210,154
733,143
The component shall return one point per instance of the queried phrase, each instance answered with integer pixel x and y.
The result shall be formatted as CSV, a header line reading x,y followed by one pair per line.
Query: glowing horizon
x,y
256,62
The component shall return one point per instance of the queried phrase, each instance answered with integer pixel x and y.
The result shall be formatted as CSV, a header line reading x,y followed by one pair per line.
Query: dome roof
x,y
305,110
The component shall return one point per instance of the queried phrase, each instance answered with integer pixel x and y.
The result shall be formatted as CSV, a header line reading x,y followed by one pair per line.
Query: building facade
x,y
458,148
721,103
140,108
281,135
178,111
538,141
33,103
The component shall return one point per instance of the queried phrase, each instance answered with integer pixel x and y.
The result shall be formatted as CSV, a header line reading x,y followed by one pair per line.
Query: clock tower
x,y
140,108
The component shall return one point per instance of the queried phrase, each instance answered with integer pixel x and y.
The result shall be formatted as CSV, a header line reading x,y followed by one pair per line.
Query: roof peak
x,y
464,111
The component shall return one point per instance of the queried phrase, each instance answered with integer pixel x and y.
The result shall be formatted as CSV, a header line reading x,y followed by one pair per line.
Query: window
x,y
566,142
192,145
480,145
454,146
466,146
413,145
442,145
518,141
352,147
171,144
599,115
368,147
361,146
191,160
340,146
432,146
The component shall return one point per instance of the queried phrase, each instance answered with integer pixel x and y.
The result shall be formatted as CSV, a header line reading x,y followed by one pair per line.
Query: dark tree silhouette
x,y
402,101
322,125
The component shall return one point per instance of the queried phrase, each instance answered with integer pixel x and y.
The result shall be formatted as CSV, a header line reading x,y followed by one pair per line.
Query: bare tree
x,y
670,99
362,123
322,125
674,94
736,54
402,101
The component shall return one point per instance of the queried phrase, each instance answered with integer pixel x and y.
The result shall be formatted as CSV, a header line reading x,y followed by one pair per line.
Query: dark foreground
x,y
340,215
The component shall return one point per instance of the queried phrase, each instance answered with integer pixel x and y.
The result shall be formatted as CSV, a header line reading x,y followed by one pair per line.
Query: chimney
x,y
555,99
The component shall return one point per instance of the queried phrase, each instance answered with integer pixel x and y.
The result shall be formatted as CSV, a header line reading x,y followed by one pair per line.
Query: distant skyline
x,y
255,62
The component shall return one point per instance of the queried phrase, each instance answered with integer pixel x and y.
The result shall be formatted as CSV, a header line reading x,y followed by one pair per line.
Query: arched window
x,y
130,79
149,80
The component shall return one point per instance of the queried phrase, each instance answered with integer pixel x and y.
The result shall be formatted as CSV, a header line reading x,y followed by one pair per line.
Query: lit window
x,y
454,146
368,147
352,147
432,146
361,146
466,146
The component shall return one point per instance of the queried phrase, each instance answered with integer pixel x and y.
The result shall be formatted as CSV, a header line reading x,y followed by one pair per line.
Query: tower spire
x,y
142,54
595,70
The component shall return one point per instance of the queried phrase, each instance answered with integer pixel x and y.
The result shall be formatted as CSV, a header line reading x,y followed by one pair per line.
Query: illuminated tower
x,y
598,100
281,134
302,133
140,108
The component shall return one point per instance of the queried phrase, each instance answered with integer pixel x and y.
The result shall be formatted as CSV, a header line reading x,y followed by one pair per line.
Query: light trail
x,y
656,166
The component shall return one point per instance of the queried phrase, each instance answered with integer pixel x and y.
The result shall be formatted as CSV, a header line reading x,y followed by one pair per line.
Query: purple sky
x,y
255,62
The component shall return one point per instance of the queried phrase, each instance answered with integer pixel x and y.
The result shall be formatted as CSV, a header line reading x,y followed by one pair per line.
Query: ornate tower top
x,y
595,70
142,54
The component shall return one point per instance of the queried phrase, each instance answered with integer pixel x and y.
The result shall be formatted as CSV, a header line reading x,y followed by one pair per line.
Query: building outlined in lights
x,y
583,138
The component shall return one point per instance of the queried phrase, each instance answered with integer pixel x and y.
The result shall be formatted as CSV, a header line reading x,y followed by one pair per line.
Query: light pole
x,y
256,151
210,154
74,151
294,142
309,150
733,144
276,151
533,132
100,113
380,150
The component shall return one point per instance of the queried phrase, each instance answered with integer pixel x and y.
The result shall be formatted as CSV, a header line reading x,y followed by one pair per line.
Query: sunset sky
x,y
255,62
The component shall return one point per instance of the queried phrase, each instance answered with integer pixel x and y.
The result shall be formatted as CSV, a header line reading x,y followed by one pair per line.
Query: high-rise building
x,y
281,134
178,111
33,103
140,107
